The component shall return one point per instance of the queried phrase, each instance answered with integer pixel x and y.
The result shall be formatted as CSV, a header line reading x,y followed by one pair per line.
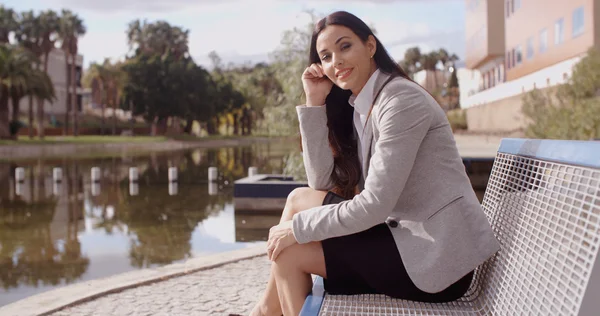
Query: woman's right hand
x,y
316,85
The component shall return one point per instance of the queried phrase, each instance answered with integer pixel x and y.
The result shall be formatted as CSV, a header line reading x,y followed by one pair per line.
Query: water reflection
x,y
54,233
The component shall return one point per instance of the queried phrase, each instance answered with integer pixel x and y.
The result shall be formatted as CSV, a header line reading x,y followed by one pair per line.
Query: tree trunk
x,y
39,119
188,126
103,121
227,125
4,128
15,109
74,103
154,126
40,109
162,125
68,101
15,113
236,126
114,118
131,120
250,122
30,117
211,127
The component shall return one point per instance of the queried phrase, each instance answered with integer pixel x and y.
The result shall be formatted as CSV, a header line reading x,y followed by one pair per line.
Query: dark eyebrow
x,y
338,40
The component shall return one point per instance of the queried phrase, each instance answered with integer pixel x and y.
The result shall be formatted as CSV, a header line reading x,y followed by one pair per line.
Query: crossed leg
x,y
289,281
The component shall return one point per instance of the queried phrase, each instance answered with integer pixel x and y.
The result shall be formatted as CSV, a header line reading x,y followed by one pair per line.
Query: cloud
x,y
136,5
176,5
98,44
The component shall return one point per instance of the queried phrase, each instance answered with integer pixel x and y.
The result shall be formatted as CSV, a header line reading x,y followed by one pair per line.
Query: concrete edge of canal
x,y
71,295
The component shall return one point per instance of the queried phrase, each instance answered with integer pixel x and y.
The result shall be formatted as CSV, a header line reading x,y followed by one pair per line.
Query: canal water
x,y
53,234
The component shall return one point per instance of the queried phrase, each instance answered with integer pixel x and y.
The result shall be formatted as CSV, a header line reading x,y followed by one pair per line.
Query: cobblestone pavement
x,y
232,288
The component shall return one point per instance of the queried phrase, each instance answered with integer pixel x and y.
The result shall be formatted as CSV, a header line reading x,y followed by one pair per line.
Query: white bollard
x,y
213,174
18,189
95,188
172,174
110,212
134,188
96,174
20,174
56,188
172,188
57,174
213,188
133,174
252,171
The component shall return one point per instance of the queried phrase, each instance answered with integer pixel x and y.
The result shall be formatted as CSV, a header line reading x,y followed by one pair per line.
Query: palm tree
x,y
70,29
27,35
38,84
429,64
48,31
95,79
19,78
412,59
8,23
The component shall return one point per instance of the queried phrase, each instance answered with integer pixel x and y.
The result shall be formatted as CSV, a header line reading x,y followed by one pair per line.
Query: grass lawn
x,y
92,139
97,139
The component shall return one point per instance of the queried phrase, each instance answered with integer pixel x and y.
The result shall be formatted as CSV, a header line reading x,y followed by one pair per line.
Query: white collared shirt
x,y
362,104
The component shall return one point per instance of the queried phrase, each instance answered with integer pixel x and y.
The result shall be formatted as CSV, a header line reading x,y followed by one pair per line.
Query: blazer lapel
x,y
380,81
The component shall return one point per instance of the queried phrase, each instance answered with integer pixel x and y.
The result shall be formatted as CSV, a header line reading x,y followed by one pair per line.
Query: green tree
x,y
48,31
28,36
8,23
412,59
18,78
157,38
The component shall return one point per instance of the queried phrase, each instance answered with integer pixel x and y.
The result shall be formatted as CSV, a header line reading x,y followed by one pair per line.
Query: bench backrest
x,y
543,201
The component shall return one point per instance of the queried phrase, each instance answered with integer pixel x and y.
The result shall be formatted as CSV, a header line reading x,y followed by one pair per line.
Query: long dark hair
x,y
347,170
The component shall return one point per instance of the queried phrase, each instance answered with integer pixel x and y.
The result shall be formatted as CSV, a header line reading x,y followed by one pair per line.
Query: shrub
x,y
457,119
14,127
568,111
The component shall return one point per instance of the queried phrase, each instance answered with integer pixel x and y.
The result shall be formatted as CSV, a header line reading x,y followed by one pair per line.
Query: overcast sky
x,y
248,30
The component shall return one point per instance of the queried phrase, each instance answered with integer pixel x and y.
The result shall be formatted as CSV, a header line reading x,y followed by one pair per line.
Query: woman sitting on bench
x,y
389,208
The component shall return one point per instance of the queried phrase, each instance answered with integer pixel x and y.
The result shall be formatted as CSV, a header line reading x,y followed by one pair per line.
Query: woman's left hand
x,y
280,237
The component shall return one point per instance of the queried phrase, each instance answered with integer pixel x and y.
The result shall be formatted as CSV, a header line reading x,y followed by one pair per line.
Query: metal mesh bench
x,y
543,202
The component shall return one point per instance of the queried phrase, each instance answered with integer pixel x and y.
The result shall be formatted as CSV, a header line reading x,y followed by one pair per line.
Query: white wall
x,y
549,76
469,82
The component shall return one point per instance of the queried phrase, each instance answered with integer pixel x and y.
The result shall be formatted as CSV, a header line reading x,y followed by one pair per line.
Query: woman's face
x,y
345,58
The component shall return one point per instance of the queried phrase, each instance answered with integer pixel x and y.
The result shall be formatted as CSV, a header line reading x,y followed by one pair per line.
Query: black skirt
x,y
368,262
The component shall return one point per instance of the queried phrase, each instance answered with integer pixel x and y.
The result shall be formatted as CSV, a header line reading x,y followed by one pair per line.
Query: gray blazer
x,y
413,177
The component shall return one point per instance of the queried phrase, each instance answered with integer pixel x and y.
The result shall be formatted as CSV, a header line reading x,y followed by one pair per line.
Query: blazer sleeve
x,y
404,120
316,153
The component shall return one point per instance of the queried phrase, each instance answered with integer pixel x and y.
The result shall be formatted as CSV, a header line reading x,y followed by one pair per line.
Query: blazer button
x,y
393,223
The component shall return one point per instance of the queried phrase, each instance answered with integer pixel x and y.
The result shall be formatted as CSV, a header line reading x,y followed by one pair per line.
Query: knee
x,y
287,259
295,198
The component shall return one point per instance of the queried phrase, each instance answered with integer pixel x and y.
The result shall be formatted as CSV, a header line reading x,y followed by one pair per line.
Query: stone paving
x,y
232,288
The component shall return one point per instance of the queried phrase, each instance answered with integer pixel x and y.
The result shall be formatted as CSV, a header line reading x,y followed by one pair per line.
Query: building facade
x,y
540,41
57,70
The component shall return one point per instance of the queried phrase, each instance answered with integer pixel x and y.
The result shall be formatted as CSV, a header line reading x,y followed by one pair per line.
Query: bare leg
x,y
299,200
293,269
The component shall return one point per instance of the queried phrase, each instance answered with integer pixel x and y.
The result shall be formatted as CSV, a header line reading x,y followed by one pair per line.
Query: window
x,y
513,54
578,21
516,5
508,8
518,55
559,31
543,40
530,48
508,59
